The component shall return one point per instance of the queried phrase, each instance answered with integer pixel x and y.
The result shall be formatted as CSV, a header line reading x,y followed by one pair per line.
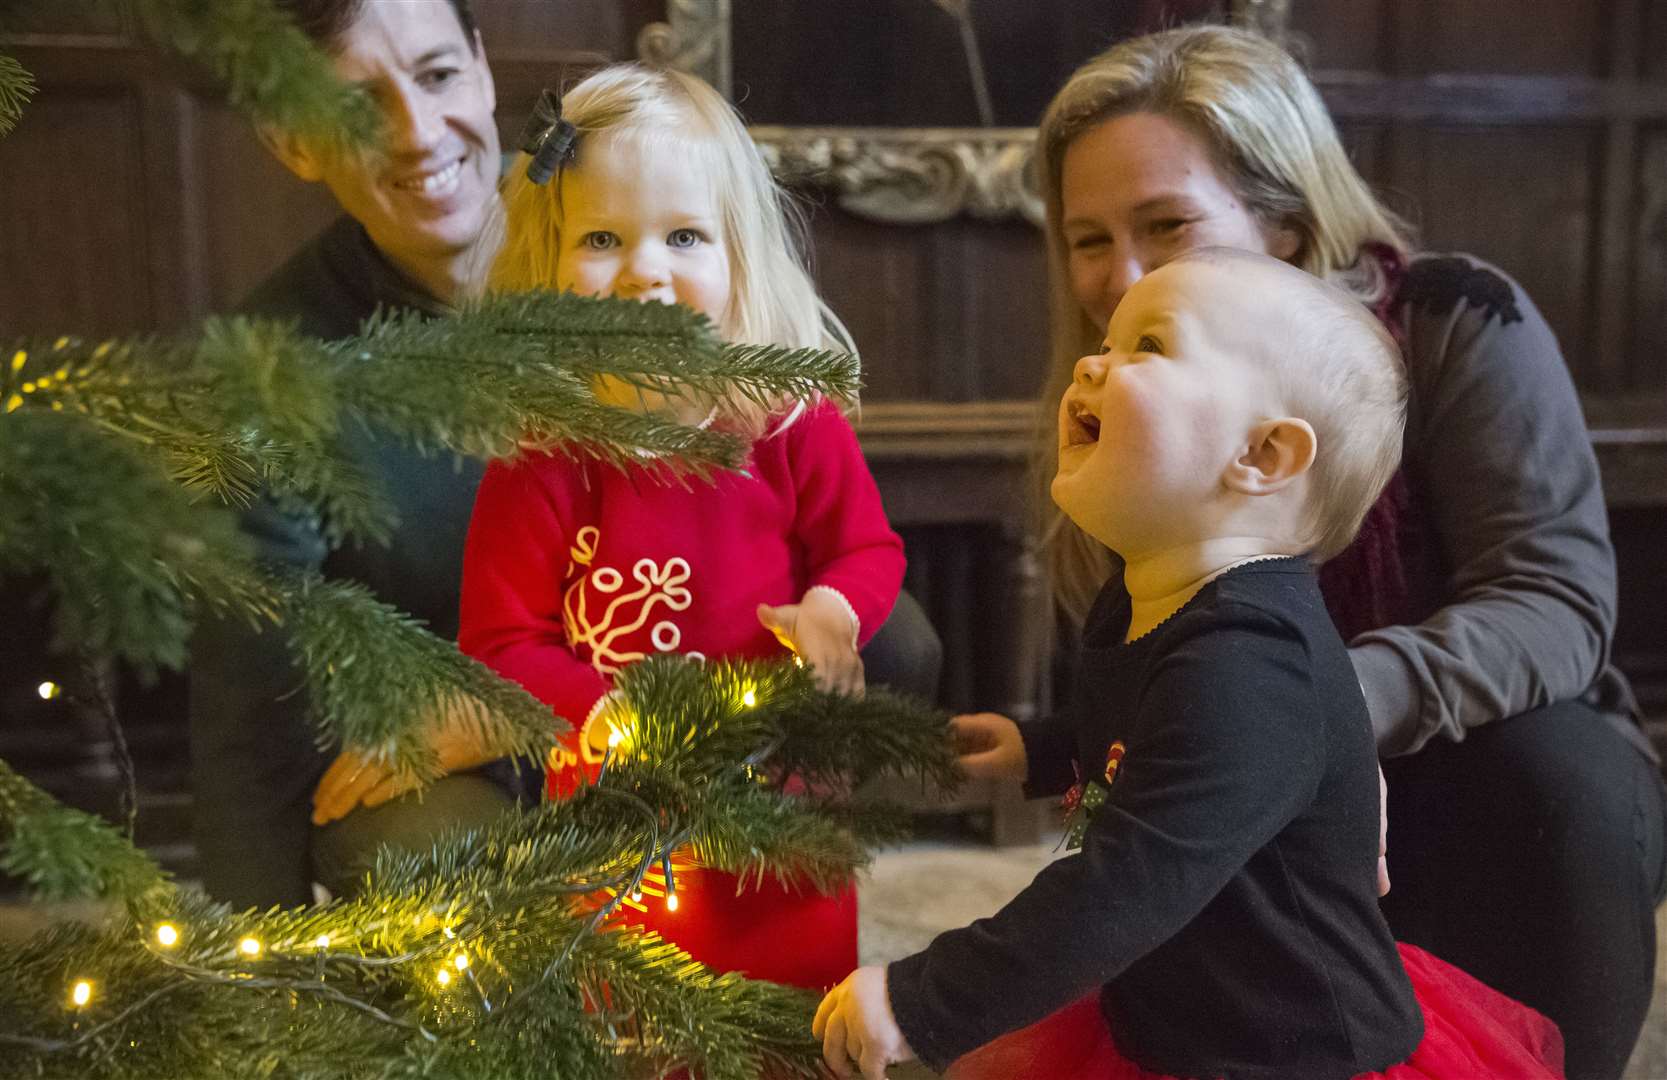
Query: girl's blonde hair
x,y
1275,145
772,300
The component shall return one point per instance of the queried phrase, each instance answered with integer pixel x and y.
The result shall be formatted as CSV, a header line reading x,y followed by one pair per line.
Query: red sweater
x,y
575,568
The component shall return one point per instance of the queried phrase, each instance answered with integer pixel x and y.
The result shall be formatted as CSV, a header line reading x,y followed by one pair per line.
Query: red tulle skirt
x,y
765,931
1470,1031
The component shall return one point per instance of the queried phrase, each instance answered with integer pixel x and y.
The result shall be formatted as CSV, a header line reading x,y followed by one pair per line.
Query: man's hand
x,y
354,780
988,747
857,1028
819,630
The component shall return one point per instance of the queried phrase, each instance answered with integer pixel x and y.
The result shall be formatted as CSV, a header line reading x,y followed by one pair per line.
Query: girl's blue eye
x,y
684,238
599,241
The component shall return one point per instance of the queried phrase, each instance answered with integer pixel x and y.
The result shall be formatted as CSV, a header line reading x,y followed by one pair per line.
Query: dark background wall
x,y
1530,132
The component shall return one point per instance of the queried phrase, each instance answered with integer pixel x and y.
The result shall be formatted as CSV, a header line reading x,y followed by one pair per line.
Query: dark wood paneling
x,y
1509,37
951,312
1352,36
1647,369
72,215
517,29
254,212
1519,197
890,64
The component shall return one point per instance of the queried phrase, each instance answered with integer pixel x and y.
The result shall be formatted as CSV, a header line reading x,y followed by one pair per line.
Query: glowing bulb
x,y
444,978
82,993
636,896
671,901
322,941
460,961
249,947
48,690
448,931
749,699
167,935
615,737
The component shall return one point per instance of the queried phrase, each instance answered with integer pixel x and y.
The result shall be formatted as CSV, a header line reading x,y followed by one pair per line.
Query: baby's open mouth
x,y
1082,428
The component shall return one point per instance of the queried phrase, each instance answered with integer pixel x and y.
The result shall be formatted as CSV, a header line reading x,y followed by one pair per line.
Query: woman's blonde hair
x,y
772,301
1274,144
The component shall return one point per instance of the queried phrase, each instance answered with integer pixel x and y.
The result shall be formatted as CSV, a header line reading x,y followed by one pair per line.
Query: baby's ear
x,y
1277,452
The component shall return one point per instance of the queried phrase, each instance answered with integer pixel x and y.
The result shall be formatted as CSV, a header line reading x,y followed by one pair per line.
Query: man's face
x,y
424,195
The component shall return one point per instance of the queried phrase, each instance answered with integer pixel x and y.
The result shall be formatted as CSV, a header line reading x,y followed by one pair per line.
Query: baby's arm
x,y
853,559
856,1026
515,565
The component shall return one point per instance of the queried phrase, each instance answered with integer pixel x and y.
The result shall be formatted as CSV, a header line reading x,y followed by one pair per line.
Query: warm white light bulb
x,y
167,935
615,737
749,699
82,993
48,690
322,941
460,961
444,977
249,947
671,901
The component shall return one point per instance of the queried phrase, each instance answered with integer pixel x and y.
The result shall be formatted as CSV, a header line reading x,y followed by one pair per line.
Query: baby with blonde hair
x,y
574,569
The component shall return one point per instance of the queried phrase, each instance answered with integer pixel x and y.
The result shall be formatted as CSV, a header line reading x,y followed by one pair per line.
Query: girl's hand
x,y
820,631
856,1026
988,747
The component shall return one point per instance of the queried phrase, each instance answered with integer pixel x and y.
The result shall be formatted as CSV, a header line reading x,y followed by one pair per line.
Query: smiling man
x,y
272,812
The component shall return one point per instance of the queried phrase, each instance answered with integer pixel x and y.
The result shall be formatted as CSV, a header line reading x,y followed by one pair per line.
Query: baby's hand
x,y
856,1026
820,630
988,747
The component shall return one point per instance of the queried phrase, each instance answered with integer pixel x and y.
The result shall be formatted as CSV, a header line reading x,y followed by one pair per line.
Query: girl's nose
x,y
1090,370
643,271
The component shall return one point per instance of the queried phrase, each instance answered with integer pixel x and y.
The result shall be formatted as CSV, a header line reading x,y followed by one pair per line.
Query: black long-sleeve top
x,y
1224,898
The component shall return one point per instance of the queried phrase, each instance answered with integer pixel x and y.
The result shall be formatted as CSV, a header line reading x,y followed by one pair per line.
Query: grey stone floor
x,y
915,892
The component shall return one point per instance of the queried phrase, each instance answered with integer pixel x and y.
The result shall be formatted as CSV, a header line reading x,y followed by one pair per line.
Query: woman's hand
x,y
821,631
988,747
354,780
856,1026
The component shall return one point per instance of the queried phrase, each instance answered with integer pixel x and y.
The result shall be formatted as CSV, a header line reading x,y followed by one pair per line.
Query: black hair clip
x,y
549,142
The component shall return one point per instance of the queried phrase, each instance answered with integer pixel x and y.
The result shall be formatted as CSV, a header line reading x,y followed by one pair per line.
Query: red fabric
x,y
575,568
787,935
1365,584
1470,1031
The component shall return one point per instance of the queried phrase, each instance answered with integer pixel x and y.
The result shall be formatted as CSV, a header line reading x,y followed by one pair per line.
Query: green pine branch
x,y
358,654
549,974
62,853
17,86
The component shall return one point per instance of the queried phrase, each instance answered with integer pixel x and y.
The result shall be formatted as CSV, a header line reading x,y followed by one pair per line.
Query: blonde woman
x,y
1525,805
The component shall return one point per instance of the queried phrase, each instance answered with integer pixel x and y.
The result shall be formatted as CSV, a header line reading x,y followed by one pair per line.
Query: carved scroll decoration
x,y
911,176
694,38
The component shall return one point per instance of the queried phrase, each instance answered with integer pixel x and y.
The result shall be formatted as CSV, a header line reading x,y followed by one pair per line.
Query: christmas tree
x,y
501,952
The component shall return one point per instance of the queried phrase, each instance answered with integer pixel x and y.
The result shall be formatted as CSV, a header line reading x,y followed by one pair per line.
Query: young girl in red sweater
x,y
575,568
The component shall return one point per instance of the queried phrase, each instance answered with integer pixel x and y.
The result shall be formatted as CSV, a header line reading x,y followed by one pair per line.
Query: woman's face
x,y
1136,191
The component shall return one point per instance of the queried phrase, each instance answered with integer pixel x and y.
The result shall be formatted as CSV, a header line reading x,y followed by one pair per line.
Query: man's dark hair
x,y
326,21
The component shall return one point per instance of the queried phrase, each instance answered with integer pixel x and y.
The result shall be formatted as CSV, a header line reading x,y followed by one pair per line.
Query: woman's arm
x,y
1501,463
